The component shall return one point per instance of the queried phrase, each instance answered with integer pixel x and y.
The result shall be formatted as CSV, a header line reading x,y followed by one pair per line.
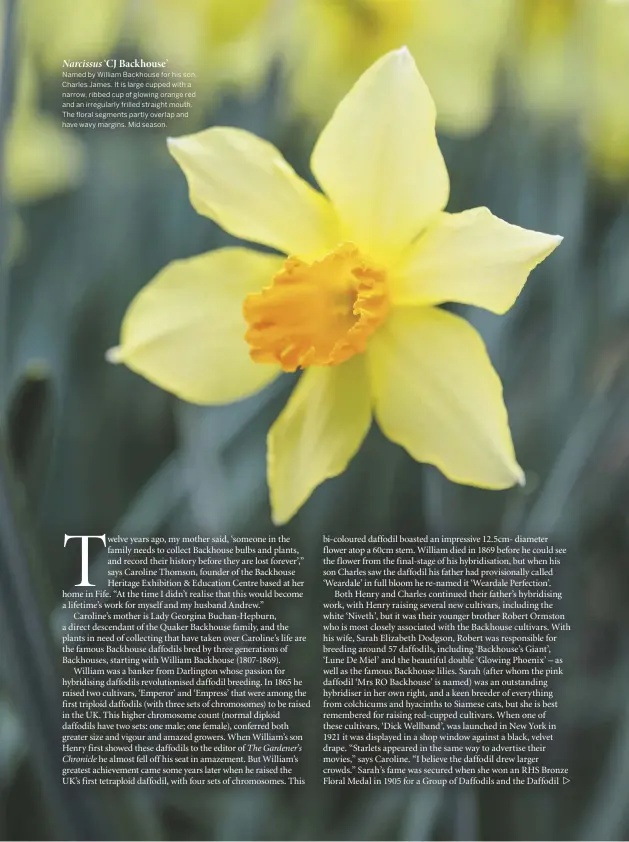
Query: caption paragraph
x,y
118,94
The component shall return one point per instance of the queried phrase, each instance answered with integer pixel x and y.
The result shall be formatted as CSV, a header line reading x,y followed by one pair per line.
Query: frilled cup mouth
x,y
320,313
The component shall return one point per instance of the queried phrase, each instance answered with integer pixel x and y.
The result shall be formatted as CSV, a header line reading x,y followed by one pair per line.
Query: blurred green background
x,y
534,123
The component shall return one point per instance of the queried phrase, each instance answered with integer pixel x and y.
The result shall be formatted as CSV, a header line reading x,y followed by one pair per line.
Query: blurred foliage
x,y
92,448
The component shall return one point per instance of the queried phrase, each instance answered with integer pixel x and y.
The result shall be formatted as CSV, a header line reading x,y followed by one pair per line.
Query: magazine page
x,y
314,449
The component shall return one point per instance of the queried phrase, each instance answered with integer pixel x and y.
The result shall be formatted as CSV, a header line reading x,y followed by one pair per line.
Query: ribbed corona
x,y
319,313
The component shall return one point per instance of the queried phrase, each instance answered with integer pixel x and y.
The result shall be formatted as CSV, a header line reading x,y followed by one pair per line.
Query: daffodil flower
x,y
547,56
605,118
354,303
570,60
457,44
42,159
229,44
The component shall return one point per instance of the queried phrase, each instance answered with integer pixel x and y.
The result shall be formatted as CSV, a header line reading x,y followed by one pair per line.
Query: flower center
x,y
319,313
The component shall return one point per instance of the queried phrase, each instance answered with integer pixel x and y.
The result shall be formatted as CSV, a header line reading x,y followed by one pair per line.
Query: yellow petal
x,y
437,394
378,159
319,431
184,331
245,185
472,257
